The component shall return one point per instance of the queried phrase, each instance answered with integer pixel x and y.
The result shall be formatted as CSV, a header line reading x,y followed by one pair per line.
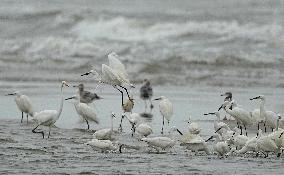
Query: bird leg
x,y
49,132
264,127
246,130
162,132
151,106
27,118
126,91
34,131
133,130
22,117
241,128
87,123
258,126
120,125
145,105
121,94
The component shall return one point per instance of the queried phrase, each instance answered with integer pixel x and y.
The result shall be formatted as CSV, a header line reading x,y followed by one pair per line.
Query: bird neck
x,y
262,109
61,104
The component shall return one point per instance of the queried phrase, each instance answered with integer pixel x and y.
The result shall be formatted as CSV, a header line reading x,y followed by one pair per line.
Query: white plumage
x,y
105,134
24,104
166,109
159,142
49,117
102,145
144,129
269,116
241,115
84,110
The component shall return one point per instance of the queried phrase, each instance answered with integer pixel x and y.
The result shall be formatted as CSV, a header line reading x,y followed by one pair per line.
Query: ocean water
x,y
183,42
192,51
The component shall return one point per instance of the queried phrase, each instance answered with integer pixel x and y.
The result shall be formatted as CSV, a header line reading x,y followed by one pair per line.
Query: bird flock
x,y
258,132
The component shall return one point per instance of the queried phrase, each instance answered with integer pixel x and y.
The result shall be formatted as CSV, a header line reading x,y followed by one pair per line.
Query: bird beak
x,y
10,94
210,113
69,98
223,94
99,97
179,132
209,139
254,98
218,129
281,135
75,86
220,107
131,85
87,73
158,98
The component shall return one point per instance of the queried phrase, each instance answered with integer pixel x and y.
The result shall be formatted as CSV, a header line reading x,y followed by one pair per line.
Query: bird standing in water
x,y
146,93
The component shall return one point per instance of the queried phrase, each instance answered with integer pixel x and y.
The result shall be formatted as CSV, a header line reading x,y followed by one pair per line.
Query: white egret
x,y
133,119
192,141
105,134
114,74
159,142
218,123
87,112
241,115
239,140
266,144
24,104
269,116
146,93
144,129
220,147
86,96
103,145
166,109
251,145
49,117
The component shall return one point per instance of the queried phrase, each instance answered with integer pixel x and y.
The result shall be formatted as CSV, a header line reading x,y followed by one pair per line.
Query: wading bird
x,y
115,75
146,93
24,104
86,96
105,134
88,113
49,117
166,109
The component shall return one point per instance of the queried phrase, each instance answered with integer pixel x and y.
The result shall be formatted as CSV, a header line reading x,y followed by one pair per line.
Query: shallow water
x,y
23,152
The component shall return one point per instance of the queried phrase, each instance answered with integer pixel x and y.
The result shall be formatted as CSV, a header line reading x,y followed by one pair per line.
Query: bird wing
x,y
45,117
87,112
166,108
27,104
110,75
116,64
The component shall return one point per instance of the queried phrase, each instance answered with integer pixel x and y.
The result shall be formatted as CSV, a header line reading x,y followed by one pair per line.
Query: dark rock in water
x,y
146,115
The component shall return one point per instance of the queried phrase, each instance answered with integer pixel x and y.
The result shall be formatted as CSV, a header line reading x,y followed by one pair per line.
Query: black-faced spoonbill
x,y
49,117
24,104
